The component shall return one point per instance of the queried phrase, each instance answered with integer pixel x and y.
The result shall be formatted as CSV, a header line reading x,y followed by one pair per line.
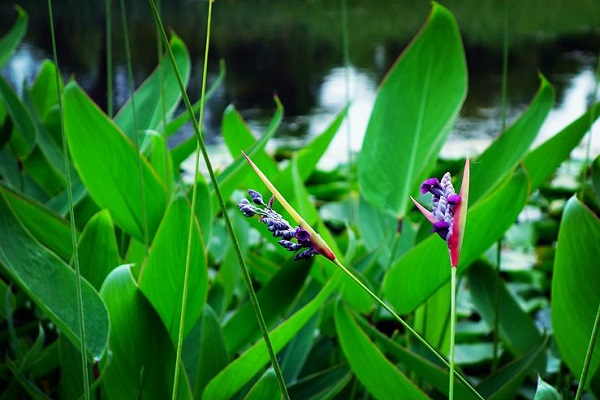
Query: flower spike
x,y
304,234
449,210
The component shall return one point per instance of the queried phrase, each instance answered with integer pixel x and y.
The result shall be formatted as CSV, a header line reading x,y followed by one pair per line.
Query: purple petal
x,y
428,184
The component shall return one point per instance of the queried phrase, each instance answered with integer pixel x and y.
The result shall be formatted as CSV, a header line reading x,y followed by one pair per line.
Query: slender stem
x,y
452,331
80,314
503,97
588,355
109,61
135,132
406,326
346,48
163,104
228,224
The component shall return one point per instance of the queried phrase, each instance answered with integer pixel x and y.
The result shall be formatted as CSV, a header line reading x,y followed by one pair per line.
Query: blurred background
x,y
295,48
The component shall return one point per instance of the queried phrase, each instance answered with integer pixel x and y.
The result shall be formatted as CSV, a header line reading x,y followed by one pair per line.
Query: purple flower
x,y
448,213
292,239
444,203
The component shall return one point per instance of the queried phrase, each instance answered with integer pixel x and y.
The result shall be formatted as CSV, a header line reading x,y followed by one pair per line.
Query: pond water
x,y
295,48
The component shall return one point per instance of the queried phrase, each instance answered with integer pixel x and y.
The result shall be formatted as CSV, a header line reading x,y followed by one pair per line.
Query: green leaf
x,y
241,371
265,388
542,161
575,295
516,328
274,299
425,268
206,341
434,374
10,41
98,249
33,268
238,137
23,137
160,159
107,163
545,392
507,149
415,108
324,384
149,98
142,361
42,223
381,378
596,176
44,94
164,274
506,381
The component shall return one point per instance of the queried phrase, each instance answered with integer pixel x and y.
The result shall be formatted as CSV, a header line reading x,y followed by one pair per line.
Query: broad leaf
x,y
153,102
516,328
266,388
23,137
10,41
381,378
241,371
575,294
415,108
507,149
142,359
98,250
107,163
50,284
545,392
163,276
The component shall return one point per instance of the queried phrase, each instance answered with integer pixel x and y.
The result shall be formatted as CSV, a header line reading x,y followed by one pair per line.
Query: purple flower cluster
x,y
292,239
444,202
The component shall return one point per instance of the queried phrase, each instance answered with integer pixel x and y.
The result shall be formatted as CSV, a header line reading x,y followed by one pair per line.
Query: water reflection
x,y
293,48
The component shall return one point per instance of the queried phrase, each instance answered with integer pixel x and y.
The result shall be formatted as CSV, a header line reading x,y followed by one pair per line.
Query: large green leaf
x,y
10,41
142,361
107,163
23,137
434,374
543,160
50,284
266,388
508,148
153,102
381,378
44,94
575,294
274,299
516,328
415,108
241,371
163,276
425,268
98,250
505,382
42,223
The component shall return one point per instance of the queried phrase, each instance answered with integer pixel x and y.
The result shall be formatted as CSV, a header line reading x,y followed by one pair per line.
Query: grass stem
x,y
588,355
68,188
228,224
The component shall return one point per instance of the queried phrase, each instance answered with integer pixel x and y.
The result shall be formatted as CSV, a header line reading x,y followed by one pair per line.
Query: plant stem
x,y
109,61
228,224
588,355
68,188
406,326
452,331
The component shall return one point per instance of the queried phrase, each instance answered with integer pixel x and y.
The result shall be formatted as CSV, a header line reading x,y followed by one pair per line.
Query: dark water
x,y
294,48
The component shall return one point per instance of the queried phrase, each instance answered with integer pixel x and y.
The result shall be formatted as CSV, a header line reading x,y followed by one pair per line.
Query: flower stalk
x,y
448,216
282,228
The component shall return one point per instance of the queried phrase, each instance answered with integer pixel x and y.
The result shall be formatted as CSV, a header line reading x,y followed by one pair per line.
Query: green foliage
x,y
575,295
405,133
132,211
